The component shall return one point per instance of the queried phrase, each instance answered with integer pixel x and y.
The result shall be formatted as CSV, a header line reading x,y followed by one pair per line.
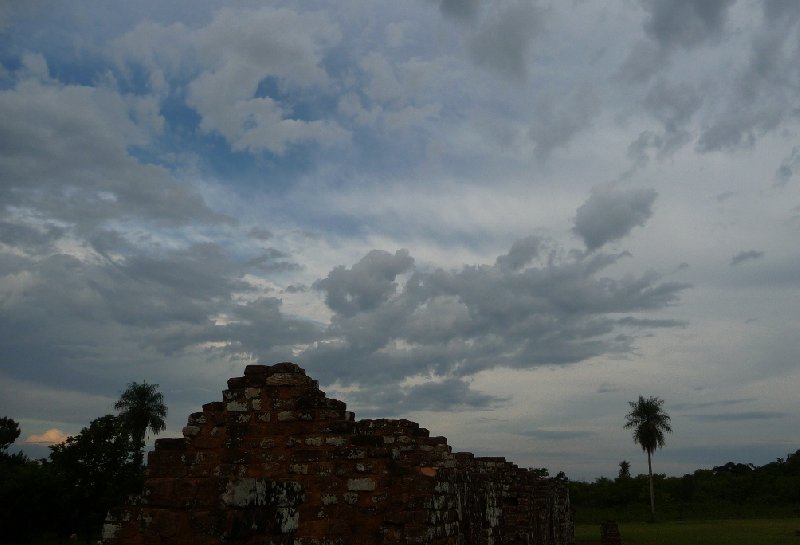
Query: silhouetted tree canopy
x,y
141,407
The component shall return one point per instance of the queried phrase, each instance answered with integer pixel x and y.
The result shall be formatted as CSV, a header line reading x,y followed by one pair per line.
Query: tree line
x,y
732,489
71,491
729,490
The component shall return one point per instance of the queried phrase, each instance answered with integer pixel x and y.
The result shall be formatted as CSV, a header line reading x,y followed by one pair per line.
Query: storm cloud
x,y
440,209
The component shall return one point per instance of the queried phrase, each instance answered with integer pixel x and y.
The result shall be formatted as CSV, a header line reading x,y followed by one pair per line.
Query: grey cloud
x,y
761,96
644,60
448,395
367,284
273,260
673,105
732,131
520,254
707,404
781,10
294,288
558,120
86,323
260,327
31,238
260,234
558,435
606,388
649,323
458,323
736,417
64,152
787,168
610,214
665,143
685,22
503,39
749,255
722,197
465,11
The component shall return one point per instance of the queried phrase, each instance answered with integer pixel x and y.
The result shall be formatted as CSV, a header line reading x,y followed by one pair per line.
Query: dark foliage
x,y
96,469
141,407
9,431
733,489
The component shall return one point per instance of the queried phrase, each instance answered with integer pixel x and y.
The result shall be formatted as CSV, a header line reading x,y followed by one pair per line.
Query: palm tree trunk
x,y
652,495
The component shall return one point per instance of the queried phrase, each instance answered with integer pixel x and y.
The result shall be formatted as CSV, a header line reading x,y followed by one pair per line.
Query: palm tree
x,y
624,469
649,422
141,408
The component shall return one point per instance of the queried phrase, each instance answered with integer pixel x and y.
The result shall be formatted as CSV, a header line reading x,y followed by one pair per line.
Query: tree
x,y
97,469
141,408
649,422
9,431
624,469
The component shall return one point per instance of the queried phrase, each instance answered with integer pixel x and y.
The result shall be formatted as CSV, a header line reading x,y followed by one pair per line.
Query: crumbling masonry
x,y
278,463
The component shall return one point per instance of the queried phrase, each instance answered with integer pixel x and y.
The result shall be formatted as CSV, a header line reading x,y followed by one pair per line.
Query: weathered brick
x,y
278,462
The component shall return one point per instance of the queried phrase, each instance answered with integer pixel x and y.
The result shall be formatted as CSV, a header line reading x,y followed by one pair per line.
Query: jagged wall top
x,y
278,462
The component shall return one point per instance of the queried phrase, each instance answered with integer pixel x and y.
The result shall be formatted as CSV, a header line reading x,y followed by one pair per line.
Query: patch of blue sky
x,y
339,224
183,122
303,104
253,173
135,80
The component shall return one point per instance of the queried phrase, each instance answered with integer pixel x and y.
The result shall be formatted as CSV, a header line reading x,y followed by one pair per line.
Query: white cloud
x,y
52,436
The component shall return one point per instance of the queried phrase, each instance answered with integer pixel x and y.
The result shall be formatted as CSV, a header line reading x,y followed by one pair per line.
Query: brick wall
x,y
276,462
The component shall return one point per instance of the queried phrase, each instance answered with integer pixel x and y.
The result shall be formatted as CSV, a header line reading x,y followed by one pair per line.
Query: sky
x,y
501,220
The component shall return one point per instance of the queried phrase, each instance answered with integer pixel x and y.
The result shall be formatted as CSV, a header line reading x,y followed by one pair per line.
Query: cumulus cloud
x,y
228,61
521,312
367,284
65,153
52,436
748,255
610,214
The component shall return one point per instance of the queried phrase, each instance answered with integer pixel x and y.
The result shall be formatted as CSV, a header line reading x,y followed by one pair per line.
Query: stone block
x,y
361,484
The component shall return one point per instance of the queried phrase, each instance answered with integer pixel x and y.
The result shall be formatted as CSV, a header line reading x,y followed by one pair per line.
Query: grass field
x,y
706,532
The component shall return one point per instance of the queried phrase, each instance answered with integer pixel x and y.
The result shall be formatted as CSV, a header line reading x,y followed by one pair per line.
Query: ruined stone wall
x,y
277,462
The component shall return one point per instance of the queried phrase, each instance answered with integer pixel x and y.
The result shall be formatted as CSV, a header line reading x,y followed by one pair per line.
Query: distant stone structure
x,y
609,533
278,463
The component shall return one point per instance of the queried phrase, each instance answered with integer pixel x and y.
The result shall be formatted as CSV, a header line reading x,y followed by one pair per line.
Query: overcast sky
x,y
502,220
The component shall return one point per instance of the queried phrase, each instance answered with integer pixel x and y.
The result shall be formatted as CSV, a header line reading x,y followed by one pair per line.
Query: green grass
x,y
705,532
